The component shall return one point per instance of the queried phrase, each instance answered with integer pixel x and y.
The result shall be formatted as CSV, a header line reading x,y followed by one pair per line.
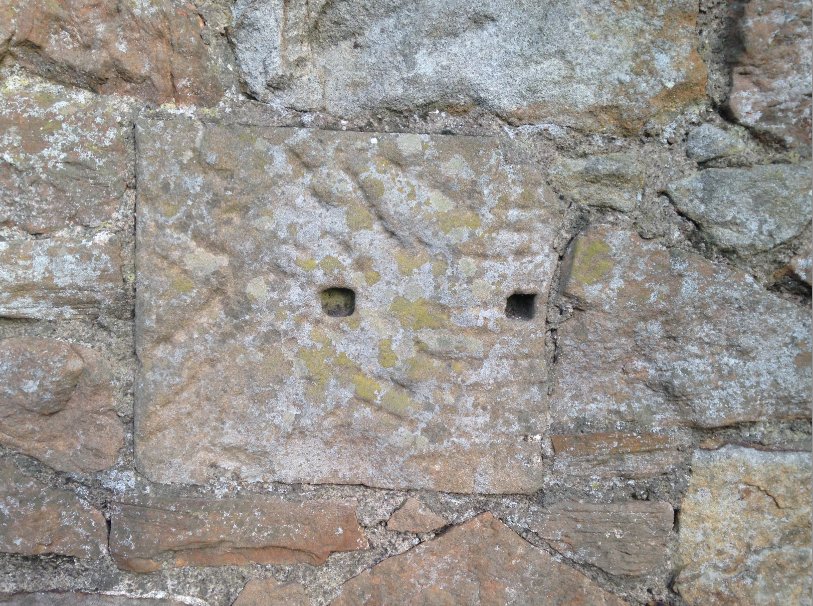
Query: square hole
x,y
338,302
521,306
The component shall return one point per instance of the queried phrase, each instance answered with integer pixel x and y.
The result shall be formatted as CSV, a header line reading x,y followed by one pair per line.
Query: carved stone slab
x,y
337,307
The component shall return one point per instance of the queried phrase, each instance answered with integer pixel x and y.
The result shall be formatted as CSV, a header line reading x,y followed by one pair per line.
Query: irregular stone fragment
x,y
36,519
612,181
151,50
664,337
269,592
616,454
57,404
58,598
745,529
62,278
748,210
427,384
230,532
479,562
771,82
66,157
599,65
709,142
627,538
414,516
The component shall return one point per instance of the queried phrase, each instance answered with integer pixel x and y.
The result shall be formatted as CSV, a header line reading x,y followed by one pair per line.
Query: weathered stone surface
x,y
771,82
414,516
664,337
615,454
57,598
151,50
612,181
479,562
747,209
36,519
574,63
56,404
62,278
709,142
426,385
221,532
66,156
745,529
268,592
628,538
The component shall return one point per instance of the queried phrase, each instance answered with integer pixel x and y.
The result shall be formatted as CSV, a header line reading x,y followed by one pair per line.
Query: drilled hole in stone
x,y
338,302
521,306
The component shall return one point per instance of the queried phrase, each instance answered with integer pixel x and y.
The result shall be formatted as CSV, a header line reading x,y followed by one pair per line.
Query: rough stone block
x,y
428,383
665,338
748,210
62,278
629,538
745,529
151,50
36,519
771,82
57,404
66,156
479,562
600,65
615,454
230,532
414,516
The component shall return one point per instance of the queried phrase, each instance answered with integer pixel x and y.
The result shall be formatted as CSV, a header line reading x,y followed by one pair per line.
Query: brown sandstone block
x,y
62,278
57,404
663,338
414,516
771,82
745,528
67,156
628,538
36,519
222,532
153,51
479,562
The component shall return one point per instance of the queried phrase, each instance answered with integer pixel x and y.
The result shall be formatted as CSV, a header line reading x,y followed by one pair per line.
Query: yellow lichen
x,y
386,356
418,314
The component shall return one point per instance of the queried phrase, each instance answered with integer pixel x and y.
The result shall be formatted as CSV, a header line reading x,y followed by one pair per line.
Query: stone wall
x,y
382,302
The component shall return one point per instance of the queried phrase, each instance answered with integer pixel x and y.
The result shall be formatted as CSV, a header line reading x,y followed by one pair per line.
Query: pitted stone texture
x,y
36,519
151,50
268,592
628,538
771,82
663,338
181,532
58,598
62,278
414,516
745,529
66,157
748,210
599,65
427,385
480,562
57,404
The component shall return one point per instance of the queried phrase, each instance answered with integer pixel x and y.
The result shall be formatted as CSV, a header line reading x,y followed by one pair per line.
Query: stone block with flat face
x,y
332,307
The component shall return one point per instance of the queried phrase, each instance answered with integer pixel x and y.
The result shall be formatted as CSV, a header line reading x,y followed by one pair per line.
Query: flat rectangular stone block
x,y
419,379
